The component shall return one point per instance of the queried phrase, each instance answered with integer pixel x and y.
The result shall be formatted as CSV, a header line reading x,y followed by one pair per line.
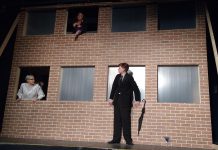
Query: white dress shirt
x,y
30,92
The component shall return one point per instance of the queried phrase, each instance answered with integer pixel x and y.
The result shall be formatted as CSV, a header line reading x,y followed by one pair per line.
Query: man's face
x,y
121,70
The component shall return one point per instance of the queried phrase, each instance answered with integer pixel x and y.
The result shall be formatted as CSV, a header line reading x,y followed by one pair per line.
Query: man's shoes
x,y
113,142
129,143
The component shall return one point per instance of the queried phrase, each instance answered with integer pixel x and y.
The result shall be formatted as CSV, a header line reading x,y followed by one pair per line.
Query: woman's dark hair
x,y
124,65
80,13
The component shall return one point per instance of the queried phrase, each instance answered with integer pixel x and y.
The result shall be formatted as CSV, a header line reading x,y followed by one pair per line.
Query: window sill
x,y
76,101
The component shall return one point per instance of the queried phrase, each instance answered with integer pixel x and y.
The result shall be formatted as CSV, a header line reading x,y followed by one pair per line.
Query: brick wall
x,y
189,125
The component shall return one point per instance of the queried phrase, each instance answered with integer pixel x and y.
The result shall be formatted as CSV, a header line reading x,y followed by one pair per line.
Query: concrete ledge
x,y
97,145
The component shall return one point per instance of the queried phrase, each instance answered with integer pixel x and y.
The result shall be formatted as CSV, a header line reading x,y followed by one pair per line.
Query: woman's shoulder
x,y
23,84
37,85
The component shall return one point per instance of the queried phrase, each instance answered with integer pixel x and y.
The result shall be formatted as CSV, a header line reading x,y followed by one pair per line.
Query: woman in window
x,y
79,25
30,90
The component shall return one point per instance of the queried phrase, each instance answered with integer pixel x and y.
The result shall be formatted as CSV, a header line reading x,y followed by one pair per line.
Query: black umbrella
x,y
141,117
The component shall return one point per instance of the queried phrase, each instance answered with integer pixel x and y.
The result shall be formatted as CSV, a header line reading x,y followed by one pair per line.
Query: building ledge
x,y
81,145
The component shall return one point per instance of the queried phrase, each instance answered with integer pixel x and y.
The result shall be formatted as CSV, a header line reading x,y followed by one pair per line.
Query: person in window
x,y
30,90
121,98
79,25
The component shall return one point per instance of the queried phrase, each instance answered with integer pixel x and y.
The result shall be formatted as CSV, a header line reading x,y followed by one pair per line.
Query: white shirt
x,y
30,92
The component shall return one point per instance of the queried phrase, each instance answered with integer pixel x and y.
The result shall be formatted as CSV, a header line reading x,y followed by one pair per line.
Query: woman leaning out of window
x,y
30,90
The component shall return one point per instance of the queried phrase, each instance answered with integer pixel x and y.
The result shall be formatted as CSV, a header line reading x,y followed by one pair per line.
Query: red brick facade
x,y
189,125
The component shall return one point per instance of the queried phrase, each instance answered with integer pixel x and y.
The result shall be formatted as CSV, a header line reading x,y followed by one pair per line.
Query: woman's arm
x,y
74,24
20,91
40,93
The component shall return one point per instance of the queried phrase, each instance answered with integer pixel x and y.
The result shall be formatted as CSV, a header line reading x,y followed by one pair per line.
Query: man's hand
x,y
110,102
136,104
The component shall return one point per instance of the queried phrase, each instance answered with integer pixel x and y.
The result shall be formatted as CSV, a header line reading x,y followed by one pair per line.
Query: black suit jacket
x,y
122,91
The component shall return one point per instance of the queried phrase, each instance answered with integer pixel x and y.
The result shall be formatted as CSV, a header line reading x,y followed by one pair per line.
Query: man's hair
x,y
124,65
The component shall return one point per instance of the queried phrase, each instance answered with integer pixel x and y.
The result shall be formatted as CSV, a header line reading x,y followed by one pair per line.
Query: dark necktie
x,y
121,78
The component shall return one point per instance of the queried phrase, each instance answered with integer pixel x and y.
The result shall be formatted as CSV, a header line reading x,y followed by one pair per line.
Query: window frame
x,y
180,28
61,80
128,6
17,81
83,7
115,66
198,101
26,18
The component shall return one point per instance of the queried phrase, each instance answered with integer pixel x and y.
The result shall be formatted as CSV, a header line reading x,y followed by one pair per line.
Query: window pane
x,y
77,83
138,75
127,19
176,16
178,84
40,22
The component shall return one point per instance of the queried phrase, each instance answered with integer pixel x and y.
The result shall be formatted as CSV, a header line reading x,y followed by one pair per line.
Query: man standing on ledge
x,y
121,98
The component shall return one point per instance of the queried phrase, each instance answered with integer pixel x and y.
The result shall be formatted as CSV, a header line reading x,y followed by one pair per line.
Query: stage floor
x,y
32,144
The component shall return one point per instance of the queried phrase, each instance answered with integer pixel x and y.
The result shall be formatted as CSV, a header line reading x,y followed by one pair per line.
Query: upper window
x,y
40,22
138,74
178,84
180,15
127,19
77,84
90,19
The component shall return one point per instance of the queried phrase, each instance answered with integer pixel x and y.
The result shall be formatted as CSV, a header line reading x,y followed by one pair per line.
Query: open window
x,y
138,73
90,18
41,75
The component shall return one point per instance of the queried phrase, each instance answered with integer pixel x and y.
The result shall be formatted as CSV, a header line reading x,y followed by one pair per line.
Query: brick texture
x,y
189,125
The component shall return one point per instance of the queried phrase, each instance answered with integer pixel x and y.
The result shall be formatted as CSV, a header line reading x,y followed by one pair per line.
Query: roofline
x,y
99,4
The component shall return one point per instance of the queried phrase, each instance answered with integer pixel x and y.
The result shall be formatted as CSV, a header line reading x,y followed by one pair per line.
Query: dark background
x,y
10,8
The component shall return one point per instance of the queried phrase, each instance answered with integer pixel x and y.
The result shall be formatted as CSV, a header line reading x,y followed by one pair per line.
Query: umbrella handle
x,y
144,101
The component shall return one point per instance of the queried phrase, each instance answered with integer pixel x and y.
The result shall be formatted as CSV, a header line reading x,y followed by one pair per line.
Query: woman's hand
x,y
75,24
35,100
110,102
18,100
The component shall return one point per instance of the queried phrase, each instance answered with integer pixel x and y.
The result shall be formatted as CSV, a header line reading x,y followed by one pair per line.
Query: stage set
x,y
64,66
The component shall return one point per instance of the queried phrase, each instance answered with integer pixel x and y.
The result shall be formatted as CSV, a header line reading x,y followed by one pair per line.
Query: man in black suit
x,y
122,98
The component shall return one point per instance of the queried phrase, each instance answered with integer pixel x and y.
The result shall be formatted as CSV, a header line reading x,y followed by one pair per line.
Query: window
x,y
77,83
41,75
40,22
180,15
138,75
178,84
127,19
90,18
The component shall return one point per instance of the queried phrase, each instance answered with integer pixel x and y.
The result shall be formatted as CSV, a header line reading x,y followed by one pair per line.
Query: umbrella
x,y
141,117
